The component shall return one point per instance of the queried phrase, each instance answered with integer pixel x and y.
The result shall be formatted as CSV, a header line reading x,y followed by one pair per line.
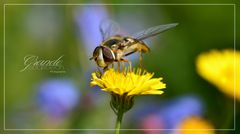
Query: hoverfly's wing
x,y
152,31
108,28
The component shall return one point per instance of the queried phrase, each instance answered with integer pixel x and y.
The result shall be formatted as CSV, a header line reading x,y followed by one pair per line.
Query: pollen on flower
x,y
222,69
130,83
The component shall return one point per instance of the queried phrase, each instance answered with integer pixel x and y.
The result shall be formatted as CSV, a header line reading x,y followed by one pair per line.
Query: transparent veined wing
x,y
152,31
108,28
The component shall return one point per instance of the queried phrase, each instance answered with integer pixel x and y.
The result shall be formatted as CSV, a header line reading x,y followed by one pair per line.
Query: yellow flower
x,y
217,67
129,83
195,125
124,85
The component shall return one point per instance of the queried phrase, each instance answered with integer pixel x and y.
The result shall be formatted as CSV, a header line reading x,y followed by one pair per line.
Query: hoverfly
x,y
115,47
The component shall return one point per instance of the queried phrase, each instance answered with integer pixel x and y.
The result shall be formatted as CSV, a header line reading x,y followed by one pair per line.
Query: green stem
x,y
118,122
229,115
120,113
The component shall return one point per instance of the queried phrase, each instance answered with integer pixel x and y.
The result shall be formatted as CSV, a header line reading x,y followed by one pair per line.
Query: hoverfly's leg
x,y
105,69
113,65
123,66
130,66
129,63
99,72
140,59
118,66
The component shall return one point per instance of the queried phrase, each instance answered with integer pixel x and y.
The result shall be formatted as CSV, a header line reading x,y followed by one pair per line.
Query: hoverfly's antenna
x,y
91,58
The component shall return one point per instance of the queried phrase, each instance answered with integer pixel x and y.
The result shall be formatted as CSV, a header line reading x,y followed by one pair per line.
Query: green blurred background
x,y
52,31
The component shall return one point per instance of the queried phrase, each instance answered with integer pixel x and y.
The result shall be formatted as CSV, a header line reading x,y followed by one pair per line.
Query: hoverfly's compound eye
x,y
108,53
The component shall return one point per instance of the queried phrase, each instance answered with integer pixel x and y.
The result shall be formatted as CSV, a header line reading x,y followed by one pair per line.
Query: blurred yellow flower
x,y
129,83
217,67
195,125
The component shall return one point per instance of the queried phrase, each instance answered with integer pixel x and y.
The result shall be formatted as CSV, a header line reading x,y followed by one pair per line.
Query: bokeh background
x,y
42,99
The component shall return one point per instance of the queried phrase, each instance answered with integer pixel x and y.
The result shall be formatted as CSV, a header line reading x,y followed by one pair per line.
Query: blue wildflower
x,y
56,97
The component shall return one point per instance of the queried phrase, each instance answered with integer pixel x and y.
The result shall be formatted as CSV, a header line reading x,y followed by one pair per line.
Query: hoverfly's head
x,y
98,56
103,56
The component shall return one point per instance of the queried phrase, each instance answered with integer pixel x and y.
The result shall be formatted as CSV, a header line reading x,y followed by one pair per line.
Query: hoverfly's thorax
x,y
113,41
